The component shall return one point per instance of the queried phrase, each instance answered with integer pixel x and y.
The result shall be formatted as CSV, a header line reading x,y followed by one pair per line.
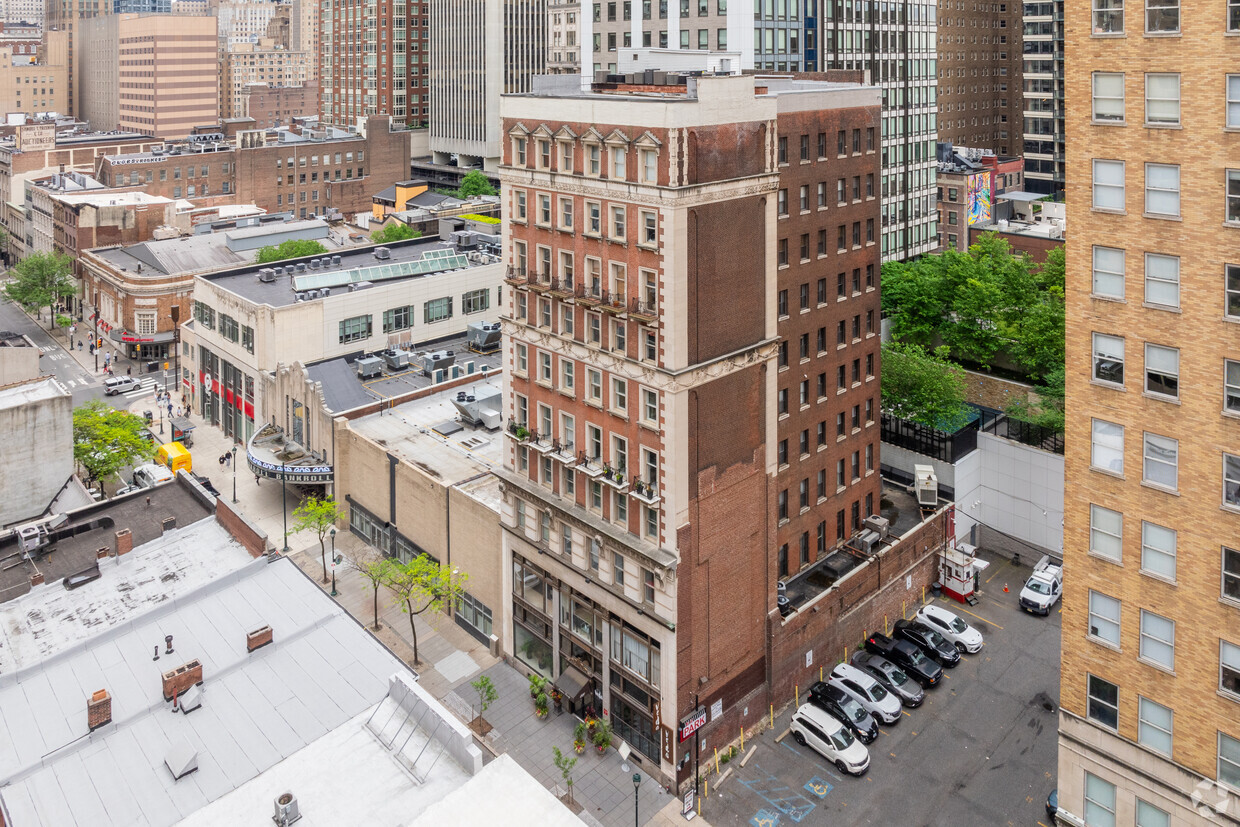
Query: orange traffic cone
x,y
1005,588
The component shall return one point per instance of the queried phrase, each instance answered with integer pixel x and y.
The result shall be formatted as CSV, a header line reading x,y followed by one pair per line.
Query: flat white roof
x,y
26,393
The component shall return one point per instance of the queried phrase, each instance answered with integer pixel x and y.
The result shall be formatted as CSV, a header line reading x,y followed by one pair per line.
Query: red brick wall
x,y
727,286
238,528
1036,247
719,153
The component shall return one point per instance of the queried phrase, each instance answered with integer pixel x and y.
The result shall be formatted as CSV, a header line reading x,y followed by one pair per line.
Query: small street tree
x,y
565,764
40,280
487,695
923,387
423,584
475,183
318,516
106,440
374,568
394,232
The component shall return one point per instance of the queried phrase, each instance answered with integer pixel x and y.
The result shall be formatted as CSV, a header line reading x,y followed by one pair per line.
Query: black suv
x,y
907,656
927,640
845,708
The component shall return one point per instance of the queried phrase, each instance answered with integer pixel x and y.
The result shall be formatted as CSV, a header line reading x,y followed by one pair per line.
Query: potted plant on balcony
x,y
602,736
537,684
523,433
540,706
557,698
579,738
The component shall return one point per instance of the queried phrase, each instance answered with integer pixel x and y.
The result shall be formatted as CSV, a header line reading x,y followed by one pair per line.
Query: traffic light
x,y
100,342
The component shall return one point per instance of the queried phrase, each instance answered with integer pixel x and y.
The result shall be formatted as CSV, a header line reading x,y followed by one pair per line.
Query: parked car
x,y
850,713
205,482
1043,588
813,727
907,656
150,475
892,677
964,637
866,691
928,641
1052,804
119,384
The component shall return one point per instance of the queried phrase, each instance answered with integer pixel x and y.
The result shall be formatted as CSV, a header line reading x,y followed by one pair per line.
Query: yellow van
x,y
175,456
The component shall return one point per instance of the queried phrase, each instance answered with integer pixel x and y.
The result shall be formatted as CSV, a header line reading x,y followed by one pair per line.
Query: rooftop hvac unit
x,y
925,486
439,360
481,408
866,542
314,264
395,359
383,253
369,367
301,267
267,275
335,261
287,810
483,337
279,271
879,525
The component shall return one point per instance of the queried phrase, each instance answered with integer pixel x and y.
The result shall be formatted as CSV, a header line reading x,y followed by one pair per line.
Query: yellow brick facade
x,y
1202,53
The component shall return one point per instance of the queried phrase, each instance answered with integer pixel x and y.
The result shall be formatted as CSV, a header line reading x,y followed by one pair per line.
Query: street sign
x,y
695,721
687,808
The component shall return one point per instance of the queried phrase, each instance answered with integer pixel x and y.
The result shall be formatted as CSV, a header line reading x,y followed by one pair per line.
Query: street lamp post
x,y
284,501
637,781
333,533
161,418
234,465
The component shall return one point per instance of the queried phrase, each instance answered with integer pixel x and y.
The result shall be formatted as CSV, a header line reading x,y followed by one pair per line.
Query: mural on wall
x,y
979,198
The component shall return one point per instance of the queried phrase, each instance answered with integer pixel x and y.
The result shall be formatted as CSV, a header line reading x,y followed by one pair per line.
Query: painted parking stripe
x,y
979,617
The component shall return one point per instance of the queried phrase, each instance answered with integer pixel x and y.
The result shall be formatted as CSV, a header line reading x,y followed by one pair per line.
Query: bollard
x,y
716,760
772,716
742,737
796,694
845,654
904,609
819,673
923,595
884,624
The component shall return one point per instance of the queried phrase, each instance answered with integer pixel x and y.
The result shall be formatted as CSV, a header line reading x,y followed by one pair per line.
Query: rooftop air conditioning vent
x,y
267,275
287,810
383,253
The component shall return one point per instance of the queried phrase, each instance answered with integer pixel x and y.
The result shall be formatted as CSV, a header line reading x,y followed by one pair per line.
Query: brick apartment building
x,y
270,106
307,168
693,381
264,62
360,76
1149,728
980,96
969,188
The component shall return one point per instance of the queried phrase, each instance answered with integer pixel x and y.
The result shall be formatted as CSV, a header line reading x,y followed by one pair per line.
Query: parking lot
x,y
979,751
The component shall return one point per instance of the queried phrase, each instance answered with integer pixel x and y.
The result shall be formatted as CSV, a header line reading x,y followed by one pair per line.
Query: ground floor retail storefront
x,y
225,395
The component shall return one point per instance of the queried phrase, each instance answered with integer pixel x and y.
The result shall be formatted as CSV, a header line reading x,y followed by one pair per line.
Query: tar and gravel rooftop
x,y
569,86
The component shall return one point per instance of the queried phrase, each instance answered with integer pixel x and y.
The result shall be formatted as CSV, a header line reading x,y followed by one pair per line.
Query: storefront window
x,y
532,650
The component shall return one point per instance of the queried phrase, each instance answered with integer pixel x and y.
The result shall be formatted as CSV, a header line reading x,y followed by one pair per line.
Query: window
x,y
650,166
619,163
1104,617
1154,726
781,200
619,395
475,301
1109,272
617,223
1099,802
437,310
566,375
1160,455
355,329
1158,550
1231,480
1108,97
650,227
648,586
1229,668
1231,574
1162,189
1108,185
398,318
594,385
1162,370
650,405
1162,279
1150,816
1162,16
1108,358
1157,639
1106,533
1103,702
1231,385
1233,195
1162,99
1233,16
520,358
1233,90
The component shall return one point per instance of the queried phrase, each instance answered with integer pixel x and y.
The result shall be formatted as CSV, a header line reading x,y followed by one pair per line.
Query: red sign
x,y
693,723
129,337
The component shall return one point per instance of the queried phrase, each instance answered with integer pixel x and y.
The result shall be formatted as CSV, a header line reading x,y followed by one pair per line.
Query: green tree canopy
x,y
293,248
394,232
923,387
106,440
475,183
423,584
40,280
981,304
318,516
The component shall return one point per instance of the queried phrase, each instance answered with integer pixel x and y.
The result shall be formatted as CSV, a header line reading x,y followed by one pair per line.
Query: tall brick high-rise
x,y
372,60
690,347
1149,731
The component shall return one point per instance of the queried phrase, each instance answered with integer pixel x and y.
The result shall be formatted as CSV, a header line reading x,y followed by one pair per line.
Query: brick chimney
x,y
124,542
258,638
36,579
99,710
183,677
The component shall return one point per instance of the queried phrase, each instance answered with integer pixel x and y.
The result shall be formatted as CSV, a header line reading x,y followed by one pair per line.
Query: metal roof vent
x,y
287,810
190,700
181,760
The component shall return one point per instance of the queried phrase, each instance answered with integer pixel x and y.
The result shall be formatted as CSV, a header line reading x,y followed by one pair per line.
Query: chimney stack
x,y
182,678
124,542
99,710
258,638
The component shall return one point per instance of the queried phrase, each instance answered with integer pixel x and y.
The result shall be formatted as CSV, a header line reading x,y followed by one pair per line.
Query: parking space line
x,y
979,617
785,744
906,713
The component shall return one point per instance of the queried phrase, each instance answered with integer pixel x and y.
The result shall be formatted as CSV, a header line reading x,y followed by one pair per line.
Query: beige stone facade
x,y
1150,722
41,86
264,62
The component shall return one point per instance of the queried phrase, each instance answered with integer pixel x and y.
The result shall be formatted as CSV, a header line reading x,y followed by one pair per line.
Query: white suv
x,y
949,625
866,691
816,728
119,384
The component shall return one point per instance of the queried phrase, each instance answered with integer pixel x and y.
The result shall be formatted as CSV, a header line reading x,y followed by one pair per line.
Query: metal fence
x,y
1026,433
931,442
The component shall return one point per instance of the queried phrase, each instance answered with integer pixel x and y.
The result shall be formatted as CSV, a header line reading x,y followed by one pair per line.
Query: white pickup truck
x,y
1044,587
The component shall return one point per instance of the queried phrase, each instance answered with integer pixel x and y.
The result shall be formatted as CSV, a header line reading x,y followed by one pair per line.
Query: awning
x,y
1020,195
572,683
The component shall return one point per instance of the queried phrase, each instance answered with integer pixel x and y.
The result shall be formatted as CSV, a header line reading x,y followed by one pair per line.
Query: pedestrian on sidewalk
x,y
129,371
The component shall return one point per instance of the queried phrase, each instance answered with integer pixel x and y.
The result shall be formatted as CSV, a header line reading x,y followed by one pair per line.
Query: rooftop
x,y
681,85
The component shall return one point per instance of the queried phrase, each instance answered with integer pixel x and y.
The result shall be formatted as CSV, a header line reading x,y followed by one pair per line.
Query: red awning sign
x,y
693,723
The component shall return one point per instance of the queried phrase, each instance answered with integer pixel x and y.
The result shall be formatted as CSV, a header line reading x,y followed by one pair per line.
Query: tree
x,y
40,280
423,584
1048,410
923,387
374,568
293,248
565,765
487,695
475,183
318,516
394,232
106,440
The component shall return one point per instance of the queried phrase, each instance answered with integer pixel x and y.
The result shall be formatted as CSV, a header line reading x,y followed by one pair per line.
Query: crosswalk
x,y
146,388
